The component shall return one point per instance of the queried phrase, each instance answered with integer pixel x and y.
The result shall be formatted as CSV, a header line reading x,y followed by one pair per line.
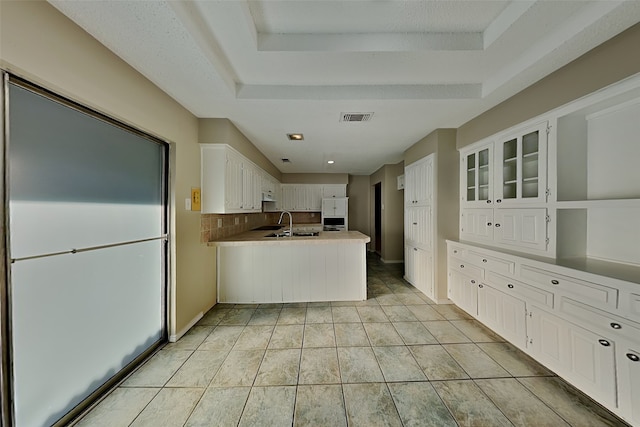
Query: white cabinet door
x,y
463,291
424,228
410,186
455,283
334,207
409,264
503,313
247,187
300,194
233,182
476,176
584,358
522,159
314,198
424,271
521,227
419,182
338,190
629,378
288,198
476,224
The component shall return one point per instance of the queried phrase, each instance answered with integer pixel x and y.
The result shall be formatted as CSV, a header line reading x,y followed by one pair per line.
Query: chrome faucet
x,y
290,231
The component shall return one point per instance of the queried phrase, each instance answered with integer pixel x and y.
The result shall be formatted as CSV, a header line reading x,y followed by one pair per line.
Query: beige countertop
x,y
257,237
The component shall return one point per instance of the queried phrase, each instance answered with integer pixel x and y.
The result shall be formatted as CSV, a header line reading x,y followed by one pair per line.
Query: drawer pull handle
x,y
488,201
480,286
555,282
633,357
510,286
616,325
604,343
497,225
473,281
489,224
484,260
499,201
461,265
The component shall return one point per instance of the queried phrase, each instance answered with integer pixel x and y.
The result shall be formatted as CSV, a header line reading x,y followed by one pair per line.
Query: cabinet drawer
x,y
633,306
456,251
529,293
602,320
492,263
582,291
466,268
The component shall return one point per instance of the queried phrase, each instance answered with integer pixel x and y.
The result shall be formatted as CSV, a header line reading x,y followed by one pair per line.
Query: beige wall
x,y
606,64
315,178
223,131
392,211
40,44
442,142
359,192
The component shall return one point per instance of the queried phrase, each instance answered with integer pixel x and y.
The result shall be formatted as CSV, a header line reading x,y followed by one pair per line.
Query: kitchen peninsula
x,y
323,266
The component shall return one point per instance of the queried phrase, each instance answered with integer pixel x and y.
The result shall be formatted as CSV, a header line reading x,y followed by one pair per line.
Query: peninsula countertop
x,y
258,237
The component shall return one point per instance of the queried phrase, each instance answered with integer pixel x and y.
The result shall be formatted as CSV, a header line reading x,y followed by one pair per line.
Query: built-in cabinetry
x,y
580,323
418,225
230,182
308,197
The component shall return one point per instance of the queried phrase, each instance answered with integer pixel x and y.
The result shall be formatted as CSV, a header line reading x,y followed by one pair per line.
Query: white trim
x,y
392,261
176,337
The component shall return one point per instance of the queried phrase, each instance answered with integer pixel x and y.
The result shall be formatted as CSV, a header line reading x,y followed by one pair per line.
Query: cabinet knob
x,y
555,282
604,343
497,225
480,286
415,249
489,224
633,357
455,252
473,281
615,325
415,223
510,286
488,201
484,260
461,265
499,201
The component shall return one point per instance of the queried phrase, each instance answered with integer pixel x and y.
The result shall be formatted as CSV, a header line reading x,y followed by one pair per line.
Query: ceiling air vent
x,y
355,117
285,160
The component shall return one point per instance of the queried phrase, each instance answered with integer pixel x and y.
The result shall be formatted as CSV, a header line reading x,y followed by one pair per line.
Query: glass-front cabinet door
x,y
521,174
477,179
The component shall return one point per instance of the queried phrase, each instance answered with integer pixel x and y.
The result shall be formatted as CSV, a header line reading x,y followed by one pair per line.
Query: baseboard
x,y
176,337
392,261
444,301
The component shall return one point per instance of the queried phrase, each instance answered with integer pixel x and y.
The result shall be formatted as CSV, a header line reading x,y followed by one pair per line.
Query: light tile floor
x,y
395,359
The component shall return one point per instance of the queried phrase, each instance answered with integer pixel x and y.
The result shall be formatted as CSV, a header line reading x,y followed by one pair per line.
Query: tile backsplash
x,y
219,226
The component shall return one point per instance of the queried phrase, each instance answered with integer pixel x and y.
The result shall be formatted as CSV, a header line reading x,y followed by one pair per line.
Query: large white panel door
x,y
423,226
521,227
476,224
424,271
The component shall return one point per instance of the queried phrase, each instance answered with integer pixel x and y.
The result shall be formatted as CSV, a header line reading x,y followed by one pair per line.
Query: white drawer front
x,y
633,306
529,293
498,265
600,319
466,268
456,251
582,291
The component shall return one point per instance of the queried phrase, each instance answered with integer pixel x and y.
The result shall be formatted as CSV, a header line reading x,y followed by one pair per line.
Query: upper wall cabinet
x,y
230,182
476,178
334,190
308,197
418,190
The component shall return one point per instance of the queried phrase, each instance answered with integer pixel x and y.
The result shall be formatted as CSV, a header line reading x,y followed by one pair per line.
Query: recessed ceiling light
x,y
330,162
295,136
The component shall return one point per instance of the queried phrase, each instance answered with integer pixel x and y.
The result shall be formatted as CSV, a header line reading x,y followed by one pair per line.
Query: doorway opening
x,y
377,212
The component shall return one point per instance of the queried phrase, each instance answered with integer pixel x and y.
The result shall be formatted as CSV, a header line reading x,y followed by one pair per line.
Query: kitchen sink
x,y
298,234
269,227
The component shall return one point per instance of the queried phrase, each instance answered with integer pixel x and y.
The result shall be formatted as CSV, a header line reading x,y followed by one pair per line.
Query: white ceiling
x,y
275,67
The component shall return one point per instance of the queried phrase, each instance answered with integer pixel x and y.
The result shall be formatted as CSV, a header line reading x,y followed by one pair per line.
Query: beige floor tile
x,y
239,368
345,314
221,406
192,339
279,367
269,406
327,411
170,407
120,408
159,369
237,316
451,312
420,406
398,364
413,333
398,313
199,369
254,337
320,314
222,338
381,334
292,316
424,312
213,316
265,316
372,314
370,405
469,405
319,335
358,365
446,333
319,366
476,331
350,335
388,299
410,298
475,362
436,363
287,336
518,404
513,360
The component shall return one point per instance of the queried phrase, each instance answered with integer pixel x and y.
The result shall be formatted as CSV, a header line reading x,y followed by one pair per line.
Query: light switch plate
x,y
195,199
187,203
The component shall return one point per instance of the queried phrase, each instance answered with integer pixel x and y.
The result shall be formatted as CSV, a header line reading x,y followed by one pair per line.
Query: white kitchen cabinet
x,y
314,198
522,159
476,176
301,197
288,198
476,224
463,291
232,182
583,357
248,188
419,269
419,226
418,189
503,313
525,228
335,208
333,190
628,362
